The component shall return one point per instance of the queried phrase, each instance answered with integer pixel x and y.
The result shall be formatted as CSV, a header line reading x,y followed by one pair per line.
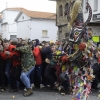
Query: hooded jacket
x,y
37,42
11,57
48,52
27,58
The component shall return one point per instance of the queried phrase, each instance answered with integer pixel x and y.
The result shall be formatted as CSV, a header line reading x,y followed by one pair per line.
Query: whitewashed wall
x,y
32,28
23,26
23,17
5,31
4,16
37,25
23,29
91,2
96,28
11,26
9,16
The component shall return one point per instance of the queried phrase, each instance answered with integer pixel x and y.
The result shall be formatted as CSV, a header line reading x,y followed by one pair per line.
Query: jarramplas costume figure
x,y
80,71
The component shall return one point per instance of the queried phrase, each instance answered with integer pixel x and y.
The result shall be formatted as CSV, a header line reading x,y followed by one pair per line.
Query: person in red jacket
x,y
37,55
38,67
16,67
7,56
2,69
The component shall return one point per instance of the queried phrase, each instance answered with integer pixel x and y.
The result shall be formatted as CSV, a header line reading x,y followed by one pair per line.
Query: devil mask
x,y
78,28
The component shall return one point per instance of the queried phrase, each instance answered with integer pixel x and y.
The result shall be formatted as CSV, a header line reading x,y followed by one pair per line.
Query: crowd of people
x,y
30,64
26,63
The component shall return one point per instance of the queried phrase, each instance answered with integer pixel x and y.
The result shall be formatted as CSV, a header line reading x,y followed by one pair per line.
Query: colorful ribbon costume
x,y
80,71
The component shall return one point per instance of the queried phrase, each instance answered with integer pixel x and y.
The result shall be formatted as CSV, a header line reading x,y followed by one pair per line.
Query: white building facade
x,y
8,25
0,24
18,24
36,28
95,21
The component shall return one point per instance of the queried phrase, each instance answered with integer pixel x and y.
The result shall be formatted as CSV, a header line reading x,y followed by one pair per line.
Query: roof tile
x,y
35,14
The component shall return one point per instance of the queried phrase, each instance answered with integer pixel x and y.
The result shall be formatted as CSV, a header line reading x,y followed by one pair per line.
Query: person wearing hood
x,y
38,68
49,50
15,70
37,42
27,66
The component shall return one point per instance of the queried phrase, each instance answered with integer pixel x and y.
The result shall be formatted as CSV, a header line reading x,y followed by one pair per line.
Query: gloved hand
x,y
63,52
7,52
40,47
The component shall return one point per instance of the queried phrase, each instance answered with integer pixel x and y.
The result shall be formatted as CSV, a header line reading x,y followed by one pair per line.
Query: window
x,y
23,17
12,36
95,5
44,33
60,10
86,9
66,8
60,29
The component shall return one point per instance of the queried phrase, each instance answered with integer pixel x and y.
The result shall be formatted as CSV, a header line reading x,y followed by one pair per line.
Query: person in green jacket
x,y
27,64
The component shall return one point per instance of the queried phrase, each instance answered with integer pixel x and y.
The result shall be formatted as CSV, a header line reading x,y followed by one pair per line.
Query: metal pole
x,y
6,5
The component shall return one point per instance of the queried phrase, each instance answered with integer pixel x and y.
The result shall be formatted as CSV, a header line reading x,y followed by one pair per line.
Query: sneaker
x,y
42,86
65,92
32,86
98,86
48,86
60,88
25,90
28,93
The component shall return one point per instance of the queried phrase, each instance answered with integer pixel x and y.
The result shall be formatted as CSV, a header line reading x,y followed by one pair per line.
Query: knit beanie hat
x,y
14,41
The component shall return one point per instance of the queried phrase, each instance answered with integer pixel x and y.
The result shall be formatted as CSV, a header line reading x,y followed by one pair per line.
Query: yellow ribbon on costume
x,y
64,68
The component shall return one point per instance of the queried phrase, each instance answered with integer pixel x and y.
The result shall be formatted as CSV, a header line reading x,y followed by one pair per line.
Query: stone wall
x,y
62,20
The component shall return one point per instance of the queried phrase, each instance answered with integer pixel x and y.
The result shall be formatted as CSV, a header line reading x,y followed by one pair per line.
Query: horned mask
x,y
76,23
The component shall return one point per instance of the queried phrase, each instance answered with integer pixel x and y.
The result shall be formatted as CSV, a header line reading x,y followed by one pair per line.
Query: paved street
x,y
40,95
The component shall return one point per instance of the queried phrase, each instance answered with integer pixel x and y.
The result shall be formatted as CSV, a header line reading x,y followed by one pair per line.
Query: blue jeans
x,y
7,72
25,77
